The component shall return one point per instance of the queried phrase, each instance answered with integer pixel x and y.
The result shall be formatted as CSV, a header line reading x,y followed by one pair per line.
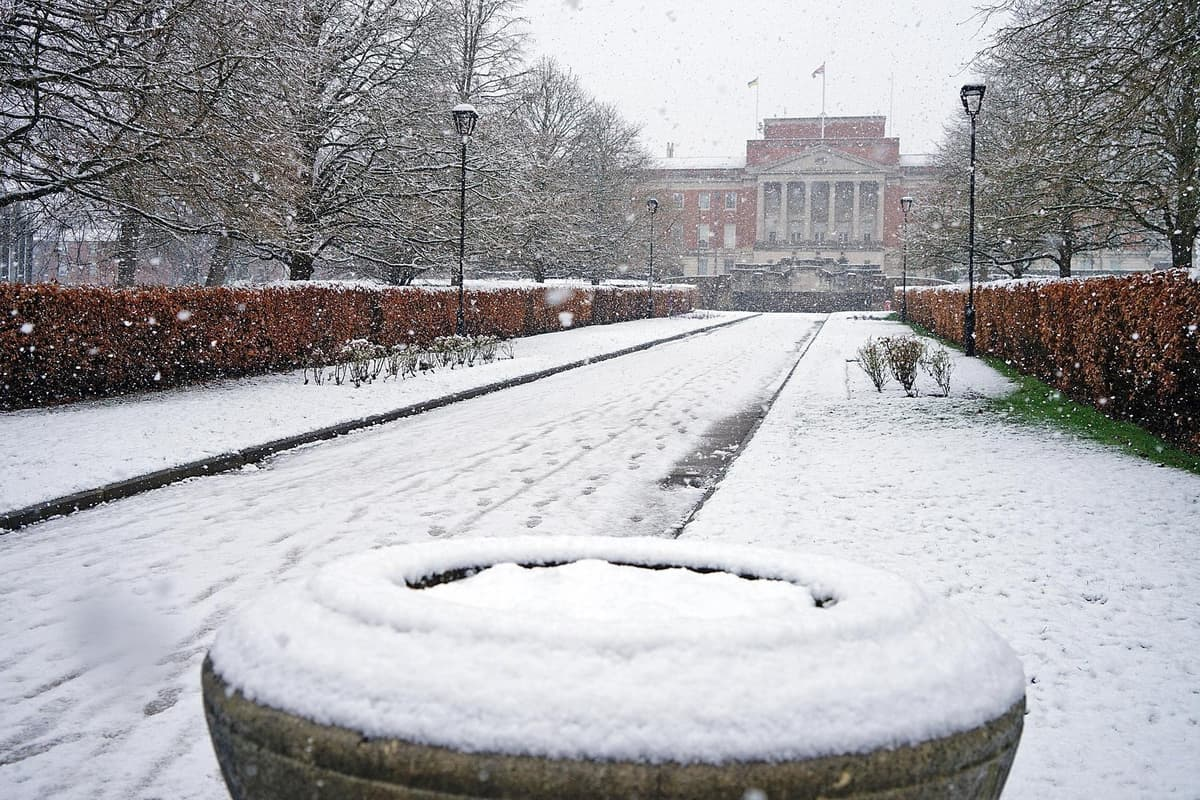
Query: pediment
x,y
821,160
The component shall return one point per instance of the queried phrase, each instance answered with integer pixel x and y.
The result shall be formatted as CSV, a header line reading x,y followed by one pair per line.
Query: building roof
x,y
701,162
916,160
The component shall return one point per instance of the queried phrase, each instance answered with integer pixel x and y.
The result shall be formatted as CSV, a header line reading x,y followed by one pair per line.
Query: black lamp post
x,y
652,207
465,117
905,206
972,98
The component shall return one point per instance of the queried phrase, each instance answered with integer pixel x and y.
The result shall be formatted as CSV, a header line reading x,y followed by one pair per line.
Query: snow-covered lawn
x,y
1083,559
49,453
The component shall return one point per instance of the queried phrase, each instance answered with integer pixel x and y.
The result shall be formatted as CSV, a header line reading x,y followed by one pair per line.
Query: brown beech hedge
x,y
59,344
1128,345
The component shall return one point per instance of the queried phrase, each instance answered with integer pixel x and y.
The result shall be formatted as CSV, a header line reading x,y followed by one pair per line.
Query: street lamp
x,y
972,98
905,206
652,207
465,117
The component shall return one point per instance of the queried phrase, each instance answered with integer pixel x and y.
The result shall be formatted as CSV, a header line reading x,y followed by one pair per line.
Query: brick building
x,y
814,199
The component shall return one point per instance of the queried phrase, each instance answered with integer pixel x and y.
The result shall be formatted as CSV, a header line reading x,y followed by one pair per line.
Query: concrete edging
x,y
226,462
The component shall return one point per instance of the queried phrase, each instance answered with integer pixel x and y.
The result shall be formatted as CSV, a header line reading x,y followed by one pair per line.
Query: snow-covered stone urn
x,y
558,668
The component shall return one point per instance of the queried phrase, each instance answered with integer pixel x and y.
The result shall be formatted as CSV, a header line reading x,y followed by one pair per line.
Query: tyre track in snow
x,y
580,453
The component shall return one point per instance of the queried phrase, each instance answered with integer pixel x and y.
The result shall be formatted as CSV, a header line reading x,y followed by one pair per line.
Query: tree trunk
x,y
129,234
1182,245
1065,255
218,268
300,266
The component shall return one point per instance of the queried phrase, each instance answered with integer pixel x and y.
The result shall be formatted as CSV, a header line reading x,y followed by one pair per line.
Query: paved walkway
x,y
49,453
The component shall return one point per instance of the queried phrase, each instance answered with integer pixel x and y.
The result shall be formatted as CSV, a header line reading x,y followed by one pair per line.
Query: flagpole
x,y
891,103
756,105
822,100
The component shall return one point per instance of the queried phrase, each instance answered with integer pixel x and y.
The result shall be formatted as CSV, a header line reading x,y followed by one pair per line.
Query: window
x,y
702,236
771,236
677,199
731,201
677,236
702,266
729,265
705,201
730,235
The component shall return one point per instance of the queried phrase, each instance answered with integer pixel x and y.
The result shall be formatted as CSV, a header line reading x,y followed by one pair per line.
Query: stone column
x,y
807,220
855,220
783,212
831,207
760,214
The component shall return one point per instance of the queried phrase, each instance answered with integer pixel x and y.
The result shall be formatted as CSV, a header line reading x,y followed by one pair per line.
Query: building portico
x,y
803,192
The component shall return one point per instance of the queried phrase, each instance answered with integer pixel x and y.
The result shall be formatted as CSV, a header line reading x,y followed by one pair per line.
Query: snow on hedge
x,y
586,659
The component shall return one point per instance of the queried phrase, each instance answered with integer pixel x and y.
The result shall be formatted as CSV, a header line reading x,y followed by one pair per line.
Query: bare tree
x,y
91,88
1036,199
1126,91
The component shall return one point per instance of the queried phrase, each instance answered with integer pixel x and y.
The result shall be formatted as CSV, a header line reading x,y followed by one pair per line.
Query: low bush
x,y
59,344
940,366
904,354
873,360
1129,345
361,361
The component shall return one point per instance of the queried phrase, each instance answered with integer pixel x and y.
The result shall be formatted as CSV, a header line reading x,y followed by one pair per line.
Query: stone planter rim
x,y
867,612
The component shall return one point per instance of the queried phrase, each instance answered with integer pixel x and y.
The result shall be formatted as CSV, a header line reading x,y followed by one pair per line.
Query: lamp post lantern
x,y
652,207
905,206
465,117
972,99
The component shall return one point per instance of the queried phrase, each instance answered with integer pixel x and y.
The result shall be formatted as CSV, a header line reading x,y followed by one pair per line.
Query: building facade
x,y
815,198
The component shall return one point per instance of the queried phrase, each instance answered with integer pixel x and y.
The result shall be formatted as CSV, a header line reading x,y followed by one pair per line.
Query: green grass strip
x,y
1036,403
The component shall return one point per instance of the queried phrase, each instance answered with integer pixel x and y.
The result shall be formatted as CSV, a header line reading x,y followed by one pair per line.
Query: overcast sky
x,y
681,67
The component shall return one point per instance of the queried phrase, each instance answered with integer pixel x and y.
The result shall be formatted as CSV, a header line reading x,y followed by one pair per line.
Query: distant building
x,y
815,201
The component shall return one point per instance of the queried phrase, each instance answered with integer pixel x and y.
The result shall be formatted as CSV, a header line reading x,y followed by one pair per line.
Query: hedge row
x,y
1128,345
60,344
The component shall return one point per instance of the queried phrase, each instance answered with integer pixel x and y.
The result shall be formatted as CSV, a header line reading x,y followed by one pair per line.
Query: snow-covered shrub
x,y
364,360
939,365
487,347
904,354
314,367
873,361
448,351
401,361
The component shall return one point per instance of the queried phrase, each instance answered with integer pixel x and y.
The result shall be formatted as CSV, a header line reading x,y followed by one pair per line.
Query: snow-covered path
x,y
107,614
51,452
